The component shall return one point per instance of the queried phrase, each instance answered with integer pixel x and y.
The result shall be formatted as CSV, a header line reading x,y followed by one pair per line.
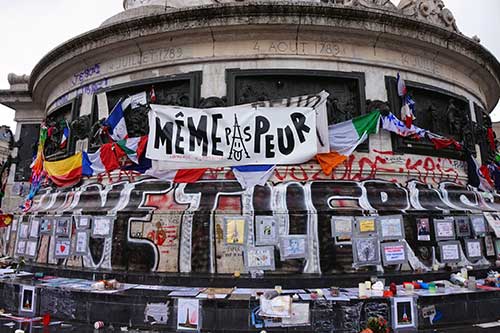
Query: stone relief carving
x,y
376,4
431,11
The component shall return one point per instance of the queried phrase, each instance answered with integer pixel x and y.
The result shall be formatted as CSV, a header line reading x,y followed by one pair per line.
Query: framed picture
x,y
473,249
489,247
478,225
23,230
266,230
235,230
21,247
497,246
493,220
391,227
83,221
46,225
188,314
444,229
404,314
343,240
293,247
27,301
462,226
449,251
342,226
62,248
63,226
394,253
31,248
260,258
82,242
102,226
366,251
15,222
423,229
34,227
366,225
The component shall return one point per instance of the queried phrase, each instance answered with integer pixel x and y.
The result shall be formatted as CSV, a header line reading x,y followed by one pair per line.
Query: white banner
x,y
184,138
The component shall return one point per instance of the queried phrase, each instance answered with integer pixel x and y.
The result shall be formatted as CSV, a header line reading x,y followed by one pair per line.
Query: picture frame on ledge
x,y
473,249
462,224
394,253
390,227
366,251
449,252
444,229
266,230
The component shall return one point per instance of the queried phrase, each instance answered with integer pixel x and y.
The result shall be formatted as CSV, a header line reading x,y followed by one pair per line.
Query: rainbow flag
x,y
67,172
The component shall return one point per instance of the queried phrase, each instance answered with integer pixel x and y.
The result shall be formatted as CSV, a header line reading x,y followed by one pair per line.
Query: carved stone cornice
x,y
330,17
430,11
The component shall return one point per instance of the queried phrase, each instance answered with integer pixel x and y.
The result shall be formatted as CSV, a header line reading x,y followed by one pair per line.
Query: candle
x,y
465,273
368,285
362,290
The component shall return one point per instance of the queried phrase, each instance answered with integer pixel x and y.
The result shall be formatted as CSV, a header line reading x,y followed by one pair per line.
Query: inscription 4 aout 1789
x,y
298,47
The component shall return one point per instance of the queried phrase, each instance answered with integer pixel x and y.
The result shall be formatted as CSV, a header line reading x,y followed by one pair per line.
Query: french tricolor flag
x,y
402,90
116,121
251,175
65,136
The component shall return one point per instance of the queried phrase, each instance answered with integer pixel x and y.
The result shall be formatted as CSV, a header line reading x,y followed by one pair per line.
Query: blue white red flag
x,y
115,123
408,111
251,175
392,124
65,137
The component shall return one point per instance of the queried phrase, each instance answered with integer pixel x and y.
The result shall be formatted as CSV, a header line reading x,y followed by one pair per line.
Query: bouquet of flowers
x,y
376,325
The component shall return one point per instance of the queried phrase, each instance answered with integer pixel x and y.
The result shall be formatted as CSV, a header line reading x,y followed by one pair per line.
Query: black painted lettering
x,y
299,121
164,135
215,138
261,127
198,134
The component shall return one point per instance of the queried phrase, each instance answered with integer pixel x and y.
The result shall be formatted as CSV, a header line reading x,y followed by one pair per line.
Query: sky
x,y
27,36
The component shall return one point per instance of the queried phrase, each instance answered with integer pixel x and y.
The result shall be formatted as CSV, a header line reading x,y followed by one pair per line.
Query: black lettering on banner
x,y
215,138
288,149
164,135
246,132
199,134
178,138
261,127
270,146
299,121
228,134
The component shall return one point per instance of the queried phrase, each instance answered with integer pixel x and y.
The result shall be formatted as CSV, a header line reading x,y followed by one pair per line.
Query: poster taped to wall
x,y
293,247
259,258
266,230
494,222
185,138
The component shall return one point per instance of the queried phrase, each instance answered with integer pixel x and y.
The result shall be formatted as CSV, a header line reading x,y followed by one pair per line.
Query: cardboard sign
x,y
185,138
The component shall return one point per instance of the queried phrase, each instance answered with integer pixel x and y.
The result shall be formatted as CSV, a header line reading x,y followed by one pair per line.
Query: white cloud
x,y
31,28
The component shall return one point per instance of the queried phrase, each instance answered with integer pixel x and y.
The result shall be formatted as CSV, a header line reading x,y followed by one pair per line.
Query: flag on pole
x,y
408,111
402,90
346,137
133,147
65,136
252,175
491,139
152,95
116,121
475,174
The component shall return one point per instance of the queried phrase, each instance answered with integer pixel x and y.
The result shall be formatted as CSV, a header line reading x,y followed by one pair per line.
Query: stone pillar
x,y
28,116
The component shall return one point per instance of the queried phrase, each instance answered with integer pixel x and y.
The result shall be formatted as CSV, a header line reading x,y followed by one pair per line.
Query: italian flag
x,y
346,137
